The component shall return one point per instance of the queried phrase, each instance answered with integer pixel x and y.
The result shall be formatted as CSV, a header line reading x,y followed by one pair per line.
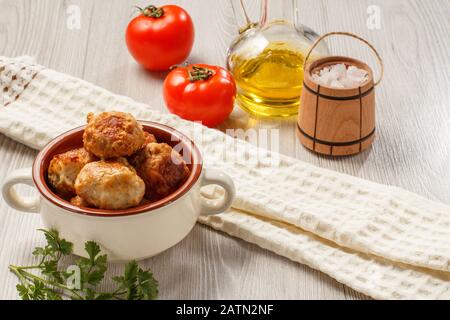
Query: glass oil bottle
x,y
267,58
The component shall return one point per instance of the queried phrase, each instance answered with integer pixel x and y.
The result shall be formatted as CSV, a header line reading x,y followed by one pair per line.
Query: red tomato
x,y
160,37
200,93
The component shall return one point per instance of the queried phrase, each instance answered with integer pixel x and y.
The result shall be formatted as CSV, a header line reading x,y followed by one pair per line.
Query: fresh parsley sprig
x,y
51,282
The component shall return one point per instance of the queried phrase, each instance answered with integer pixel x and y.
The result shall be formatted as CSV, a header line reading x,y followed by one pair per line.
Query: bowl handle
x,y
12,198
215,206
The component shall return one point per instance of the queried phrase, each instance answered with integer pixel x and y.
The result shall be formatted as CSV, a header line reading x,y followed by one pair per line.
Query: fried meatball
x,y
149,138
162,169
110,184
79,201
64,168
113,134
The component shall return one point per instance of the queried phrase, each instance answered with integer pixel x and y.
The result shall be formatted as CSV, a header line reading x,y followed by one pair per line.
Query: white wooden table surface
x,y
413,113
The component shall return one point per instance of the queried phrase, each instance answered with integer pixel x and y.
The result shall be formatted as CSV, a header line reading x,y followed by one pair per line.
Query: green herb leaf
x,y
147,285
50,269
138,284
36,290
93,249
65,247
52,295
92,269
23,292
50,282
40,251
56,245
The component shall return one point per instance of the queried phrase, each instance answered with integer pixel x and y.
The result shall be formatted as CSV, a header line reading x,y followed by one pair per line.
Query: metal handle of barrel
x,y
353,36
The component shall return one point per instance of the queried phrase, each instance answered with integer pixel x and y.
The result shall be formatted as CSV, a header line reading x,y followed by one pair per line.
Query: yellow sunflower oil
x,y
270,83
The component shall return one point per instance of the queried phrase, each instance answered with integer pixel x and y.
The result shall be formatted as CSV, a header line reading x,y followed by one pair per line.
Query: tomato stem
x,y
152,11
200,73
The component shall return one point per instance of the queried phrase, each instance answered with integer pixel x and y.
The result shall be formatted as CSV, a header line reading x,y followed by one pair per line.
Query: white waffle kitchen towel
x,y
380,240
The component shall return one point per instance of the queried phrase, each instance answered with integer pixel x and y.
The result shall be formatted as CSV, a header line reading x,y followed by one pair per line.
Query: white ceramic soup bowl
x,y
135,233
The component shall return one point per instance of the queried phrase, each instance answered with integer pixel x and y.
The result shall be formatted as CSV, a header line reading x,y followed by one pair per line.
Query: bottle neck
x,y
276,10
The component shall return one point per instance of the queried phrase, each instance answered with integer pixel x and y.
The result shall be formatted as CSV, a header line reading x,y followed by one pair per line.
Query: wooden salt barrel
x,y
337,121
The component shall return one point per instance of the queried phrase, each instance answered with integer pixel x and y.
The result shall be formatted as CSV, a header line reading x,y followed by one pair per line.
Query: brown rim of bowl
x,y
39,171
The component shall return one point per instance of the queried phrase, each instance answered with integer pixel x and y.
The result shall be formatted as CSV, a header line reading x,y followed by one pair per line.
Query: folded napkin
x,y
380,240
